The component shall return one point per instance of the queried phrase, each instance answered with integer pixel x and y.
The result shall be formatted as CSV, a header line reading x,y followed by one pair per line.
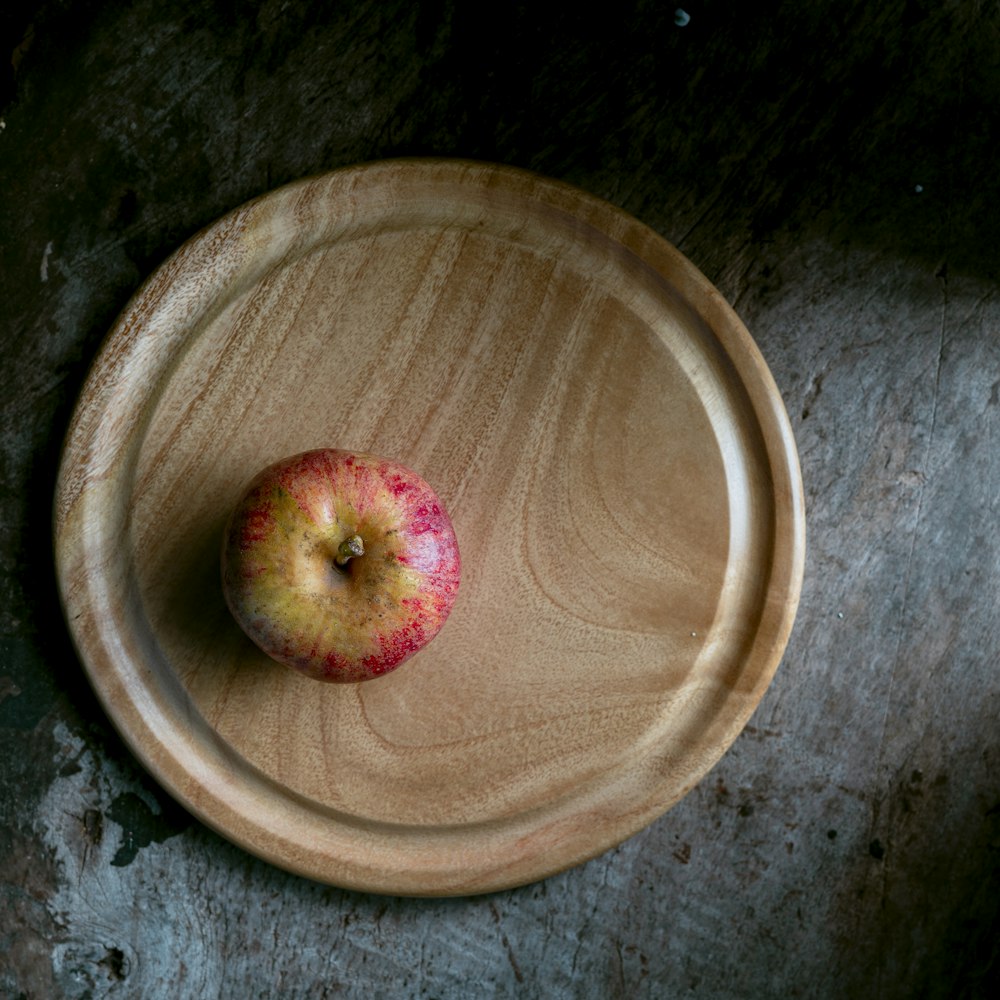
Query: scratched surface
x,y
831,167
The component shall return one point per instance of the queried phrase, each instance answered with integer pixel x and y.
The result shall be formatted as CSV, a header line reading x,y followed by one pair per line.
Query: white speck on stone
x,y
840,614
693,634
681,17
44,270
918,188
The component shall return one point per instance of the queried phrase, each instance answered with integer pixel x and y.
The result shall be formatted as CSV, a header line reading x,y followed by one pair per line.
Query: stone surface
x,y
831,166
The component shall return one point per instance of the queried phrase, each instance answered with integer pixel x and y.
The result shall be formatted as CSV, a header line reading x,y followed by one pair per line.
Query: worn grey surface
x,y
832,167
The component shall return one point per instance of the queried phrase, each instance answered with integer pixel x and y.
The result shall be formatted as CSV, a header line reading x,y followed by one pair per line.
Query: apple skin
x,y
283,584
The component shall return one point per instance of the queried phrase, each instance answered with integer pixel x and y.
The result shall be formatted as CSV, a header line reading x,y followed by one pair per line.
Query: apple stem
x,y
348,549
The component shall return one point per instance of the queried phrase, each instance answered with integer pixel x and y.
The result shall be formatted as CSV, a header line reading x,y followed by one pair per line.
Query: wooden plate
x,y
620,471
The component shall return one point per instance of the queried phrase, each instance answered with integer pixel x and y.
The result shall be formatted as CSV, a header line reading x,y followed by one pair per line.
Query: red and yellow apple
x,y
340,565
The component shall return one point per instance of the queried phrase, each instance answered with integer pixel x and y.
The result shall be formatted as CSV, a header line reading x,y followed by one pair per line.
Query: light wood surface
x,y
615,458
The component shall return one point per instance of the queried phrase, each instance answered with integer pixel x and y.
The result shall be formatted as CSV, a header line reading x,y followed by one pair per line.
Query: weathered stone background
x,y
832,166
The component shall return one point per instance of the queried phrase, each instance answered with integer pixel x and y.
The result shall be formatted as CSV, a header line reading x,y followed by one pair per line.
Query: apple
x,y
340,565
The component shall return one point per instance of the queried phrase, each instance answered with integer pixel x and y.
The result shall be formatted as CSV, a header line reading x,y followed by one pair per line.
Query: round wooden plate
x,y
617,462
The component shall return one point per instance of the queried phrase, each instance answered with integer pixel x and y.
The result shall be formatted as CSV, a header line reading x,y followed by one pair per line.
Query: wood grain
x,y
615,458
